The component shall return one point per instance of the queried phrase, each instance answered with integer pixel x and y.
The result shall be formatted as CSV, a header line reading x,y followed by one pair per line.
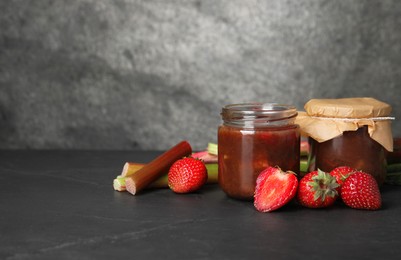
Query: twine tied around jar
x,y
383,118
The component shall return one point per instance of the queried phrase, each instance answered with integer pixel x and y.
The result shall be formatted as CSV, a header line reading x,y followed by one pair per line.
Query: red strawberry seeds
x,y
274,189
187,175
361,191
341,173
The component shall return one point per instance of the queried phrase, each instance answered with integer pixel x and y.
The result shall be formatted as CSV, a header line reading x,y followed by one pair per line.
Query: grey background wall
x,y
98,74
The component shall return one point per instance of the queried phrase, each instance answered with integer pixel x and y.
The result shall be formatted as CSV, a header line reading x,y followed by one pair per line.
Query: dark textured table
x,y
61,205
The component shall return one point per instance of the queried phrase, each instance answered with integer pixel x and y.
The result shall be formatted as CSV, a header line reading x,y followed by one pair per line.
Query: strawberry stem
x,y
324,185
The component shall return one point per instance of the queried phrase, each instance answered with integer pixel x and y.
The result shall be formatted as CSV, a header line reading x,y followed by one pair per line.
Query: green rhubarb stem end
x,y
212,148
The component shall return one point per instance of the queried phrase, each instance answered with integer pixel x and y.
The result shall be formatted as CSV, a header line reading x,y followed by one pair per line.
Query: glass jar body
x,y
353,148
243,152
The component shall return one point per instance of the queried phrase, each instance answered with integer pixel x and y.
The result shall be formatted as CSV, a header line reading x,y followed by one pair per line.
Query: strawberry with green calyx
x,y
274,189
187,175
341,173
317,189
361,191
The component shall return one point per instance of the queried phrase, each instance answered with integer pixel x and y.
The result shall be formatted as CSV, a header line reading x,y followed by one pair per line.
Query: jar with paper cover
x,y
353,132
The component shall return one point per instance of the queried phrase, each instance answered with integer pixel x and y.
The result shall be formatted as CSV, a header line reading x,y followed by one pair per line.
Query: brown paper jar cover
x,y
326,119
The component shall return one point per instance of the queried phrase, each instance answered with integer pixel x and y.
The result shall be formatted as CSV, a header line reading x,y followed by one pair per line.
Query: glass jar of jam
x,y
353,148
252,137
353,132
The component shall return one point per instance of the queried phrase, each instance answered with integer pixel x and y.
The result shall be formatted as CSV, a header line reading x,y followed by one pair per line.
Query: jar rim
x,y
258,114
257,110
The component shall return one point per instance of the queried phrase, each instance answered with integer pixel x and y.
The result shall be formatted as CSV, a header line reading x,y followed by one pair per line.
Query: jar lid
x,y
364,107
326,119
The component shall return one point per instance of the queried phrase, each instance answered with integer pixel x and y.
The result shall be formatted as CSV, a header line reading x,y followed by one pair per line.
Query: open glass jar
x,y
353,132
252,137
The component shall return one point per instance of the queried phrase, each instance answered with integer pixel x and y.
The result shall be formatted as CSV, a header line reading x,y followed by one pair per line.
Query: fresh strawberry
x,y
274,189
317,189
187,175
341,173
361,191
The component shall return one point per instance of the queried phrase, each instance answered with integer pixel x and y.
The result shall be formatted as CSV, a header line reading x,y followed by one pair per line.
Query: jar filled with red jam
x,y
252,137
353,148
353,132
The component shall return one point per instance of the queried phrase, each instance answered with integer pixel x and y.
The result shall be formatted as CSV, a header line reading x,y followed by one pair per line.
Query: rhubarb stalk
x,y
156,168
131,167
161,182
212,148
205,156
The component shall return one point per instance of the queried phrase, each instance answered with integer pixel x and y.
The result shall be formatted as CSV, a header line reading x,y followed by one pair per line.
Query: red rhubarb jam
x,y
353,148
253,137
